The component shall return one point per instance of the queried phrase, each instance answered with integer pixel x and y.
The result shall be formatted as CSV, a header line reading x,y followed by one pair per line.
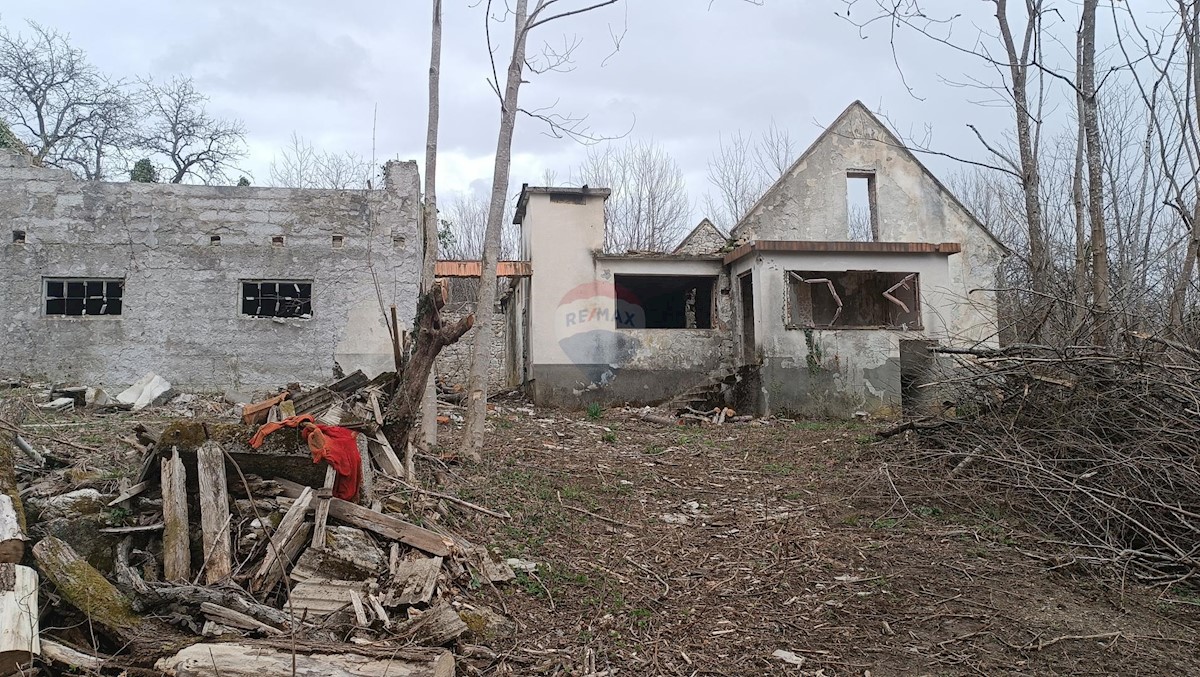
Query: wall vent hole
x,y
277,240
18,237
339,241
214,240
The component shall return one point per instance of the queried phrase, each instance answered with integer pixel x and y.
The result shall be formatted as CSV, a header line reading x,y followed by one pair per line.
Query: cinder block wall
x,y
181,313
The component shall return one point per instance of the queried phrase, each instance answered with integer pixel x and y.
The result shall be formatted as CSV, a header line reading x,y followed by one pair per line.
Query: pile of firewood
x,y
237,561
1095,446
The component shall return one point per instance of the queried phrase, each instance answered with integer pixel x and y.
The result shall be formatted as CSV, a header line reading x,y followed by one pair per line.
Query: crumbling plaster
x,y
181,315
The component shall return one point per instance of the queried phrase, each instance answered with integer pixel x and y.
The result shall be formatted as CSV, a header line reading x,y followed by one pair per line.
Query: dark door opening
x,y
746,293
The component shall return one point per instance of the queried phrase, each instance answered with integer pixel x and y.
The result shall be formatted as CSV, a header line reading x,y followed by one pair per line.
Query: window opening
x,y
277,240
277,298
855,299
860,206
664,301
18,237
214,240
77,296
339,241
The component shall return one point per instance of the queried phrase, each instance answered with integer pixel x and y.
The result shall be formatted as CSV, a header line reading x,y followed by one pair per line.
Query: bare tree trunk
x,y
1086,79
472,442
1078,200
430,230
1031,177
1190,27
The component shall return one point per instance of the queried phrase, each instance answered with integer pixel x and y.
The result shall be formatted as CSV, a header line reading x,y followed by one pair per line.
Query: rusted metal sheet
x,y
473,269
843,247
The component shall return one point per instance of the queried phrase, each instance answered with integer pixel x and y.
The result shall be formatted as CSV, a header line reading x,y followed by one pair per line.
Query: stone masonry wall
x,y
182,316
454,362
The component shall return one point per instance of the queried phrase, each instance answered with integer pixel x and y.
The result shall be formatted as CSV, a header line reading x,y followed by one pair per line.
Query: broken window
x,y
78,296
277,298
664,301
855,298
860,206
18,237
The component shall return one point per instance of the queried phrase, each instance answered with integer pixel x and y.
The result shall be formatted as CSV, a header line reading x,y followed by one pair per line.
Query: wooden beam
x,y
289,526
322,511
214,511
384,525
177,559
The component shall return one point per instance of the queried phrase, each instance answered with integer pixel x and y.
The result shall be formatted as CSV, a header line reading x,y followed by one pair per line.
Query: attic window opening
x,y
214,240
277,240
863,217
78,296
277,298
664,301
18,237
339,241
854,299
569,198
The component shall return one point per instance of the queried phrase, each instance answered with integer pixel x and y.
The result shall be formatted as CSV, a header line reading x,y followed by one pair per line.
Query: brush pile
x,y
1098,449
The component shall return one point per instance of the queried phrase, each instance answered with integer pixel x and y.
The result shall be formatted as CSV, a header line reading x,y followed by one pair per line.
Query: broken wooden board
x,y
214,512
235,619
247,660
436,627
282,549
323,596
177,559
19,633
384,525
412,582
384,456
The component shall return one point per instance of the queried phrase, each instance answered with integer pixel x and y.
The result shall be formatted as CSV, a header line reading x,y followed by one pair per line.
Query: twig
x,y
592,514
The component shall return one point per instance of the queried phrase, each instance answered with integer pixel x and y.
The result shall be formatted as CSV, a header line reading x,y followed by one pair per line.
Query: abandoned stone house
x,y
791,313
218,287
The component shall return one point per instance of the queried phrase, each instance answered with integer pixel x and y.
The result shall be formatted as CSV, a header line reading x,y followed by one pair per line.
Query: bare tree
x,y
429,216
524,21
300,165
742,169
648,209
66,111
189,141
464,226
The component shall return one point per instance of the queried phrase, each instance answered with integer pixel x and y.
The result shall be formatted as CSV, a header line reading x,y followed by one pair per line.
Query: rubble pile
x,y
226,552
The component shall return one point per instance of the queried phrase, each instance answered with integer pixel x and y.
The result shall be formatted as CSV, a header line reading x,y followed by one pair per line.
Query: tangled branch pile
x,y
1098,449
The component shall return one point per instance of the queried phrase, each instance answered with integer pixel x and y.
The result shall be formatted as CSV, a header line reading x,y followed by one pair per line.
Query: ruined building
x,y
210,286
794,312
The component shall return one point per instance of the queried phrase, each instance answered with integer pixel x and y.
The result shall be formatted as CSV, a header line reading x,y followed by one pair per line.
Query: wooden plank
x,y
19,633
255,660
323,596
214,511
384,525
177,560
374,399
360,613
380,612
128,493
322,511
367,490
413,582
235,619
143,529
385,457
289,526
290,552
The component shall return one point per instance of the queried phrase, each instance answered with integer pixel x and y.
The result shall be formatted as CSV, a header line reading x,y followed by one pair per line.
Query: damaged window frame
x,y
95,303
897,291
295,306
693,318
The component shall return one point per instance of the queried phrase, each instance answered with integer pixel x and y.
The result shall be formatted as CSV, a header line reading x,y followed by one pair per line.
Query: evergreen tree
x,y
143,172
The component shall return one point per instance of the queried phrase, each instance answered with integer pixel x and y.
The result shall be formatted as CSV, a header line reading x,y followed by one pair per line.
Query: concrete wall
x,y
181,315
836,372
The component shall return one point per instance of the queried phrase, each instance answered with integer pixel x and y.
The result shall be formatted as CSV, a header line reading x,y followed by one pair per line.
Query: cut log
x,y
11,415
413,582
19,632
107,609
177,559
235,619
289,526
12,538
324,596
384,525
214,511
436,627
248,660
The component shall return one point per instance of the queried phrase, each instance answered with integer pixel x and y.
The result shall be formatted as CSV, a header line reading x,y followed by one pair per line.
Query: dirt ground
x,y
707,550
704,550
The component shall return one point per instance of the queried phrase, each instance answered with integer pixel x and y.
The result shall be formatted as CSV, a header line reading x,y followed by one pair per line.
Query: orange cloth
x,y
335,445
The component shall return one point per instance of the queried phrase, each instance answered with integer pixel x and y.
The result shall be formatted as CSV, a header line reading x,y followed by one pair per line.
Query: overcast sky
x,y
686,72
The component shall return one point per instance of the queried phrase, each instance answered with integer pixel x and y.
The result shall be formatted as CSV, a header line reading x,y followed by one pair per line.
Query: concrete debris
x,y
61,404
150,389
789,657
